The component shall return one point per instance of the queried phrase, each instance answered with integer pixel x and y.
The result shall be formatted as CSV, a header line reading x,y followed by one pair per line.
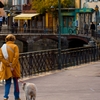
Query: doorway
x,y
67,23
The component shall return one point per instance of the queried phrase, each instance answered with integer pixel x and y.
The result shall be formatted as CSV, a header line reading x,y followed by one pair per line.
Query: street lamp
x,y
96,14
59,35
13,10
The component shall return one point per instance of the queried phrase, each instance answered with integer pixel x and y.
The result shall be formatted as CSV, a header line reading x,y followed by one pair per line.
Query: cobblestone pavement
x,y
74,83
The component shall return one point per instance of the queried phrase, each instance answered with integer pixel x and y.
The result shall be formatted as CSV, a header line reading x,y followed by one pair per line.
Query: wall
x,y
77,3
2,12
90,4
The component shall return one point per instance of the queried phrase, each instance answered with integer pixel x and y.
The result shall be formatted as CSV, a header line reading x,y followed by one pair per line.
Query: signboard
x,y
85,10
68,13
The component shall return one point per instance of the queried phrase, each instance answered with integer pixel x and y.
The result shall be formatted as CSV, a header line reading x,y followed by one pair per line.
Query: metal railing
x,y
8,29
47,60
45,30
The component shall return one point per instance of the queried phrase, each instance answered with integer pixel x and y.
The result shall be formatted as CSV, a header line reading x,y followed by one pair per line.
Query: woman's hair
x,y
10,37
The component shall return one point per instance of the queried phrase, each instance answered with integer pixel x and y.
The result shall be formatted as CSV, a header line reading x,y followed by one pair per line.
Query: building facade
x,y
34,20
92,4
2,12
87,12
82,11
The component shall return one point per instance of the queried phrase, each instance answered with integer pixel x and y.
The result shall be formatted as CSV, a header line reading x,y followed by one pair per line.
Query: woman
x,y
9,56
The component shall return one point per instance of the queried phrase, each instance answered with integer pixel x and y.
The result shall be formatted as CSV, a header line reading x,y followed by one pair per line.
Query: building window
x,y
19,2
10,2
14,2
95,0
64,21
92,0
24,1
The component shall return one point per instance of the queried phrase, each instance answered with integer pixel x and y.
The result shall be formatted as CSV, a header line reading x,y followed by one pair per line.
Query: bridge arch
x,y
71,41
67,41
77,41
68,37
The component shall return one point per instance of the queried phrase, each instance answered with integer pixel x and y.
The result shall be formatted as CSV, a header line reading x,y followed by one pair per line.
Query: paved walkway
x,y
74,83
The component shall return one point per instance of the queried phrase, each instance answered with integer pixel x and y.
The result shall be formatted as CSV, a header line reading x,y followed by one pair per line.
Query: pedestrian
x,y
98,28
86,28
25,27
16,27
3,20
13,27
1,23
92,27
57,29
0,26
6,19
10,69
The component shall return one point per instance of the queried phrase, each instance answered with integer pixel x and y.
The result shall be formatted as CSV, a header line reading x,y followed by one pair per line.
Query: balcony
x,y
16,8
27,8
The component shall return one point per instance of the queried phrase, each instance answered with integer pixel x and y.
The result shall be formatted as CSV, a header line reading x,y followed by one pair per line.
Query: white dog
x,y
30,90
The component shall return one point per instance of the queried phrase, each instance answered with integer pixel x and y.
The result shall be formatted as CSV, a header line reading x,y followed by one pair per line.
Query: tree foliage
x,y
45,5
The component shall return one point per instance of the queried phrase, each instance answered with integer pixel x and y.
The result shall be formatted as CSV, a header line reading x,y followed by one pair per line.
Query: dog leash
x,y
21,81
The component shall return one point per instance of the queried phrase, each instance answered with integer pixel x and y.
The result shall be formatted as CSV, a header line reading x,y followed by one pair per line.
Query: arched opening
x,y
74,43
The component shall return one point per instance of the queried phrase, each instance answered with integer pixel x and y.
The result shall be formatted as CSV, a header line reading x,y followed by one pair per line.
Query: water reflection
x,y
44,44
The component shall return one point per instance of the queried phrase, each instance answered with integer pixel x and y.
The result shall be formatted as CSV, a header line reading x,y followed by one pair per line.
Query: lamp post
x,y
59,35
96,14
12,14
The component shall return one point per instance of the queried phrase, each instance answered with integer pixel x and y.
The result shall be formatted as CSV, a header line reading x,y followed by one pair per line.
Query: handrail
x,y
47,60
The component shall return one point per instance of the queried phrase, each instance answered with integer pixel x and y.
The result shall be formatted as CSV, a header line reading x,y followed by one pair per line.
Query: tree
x,y
45,5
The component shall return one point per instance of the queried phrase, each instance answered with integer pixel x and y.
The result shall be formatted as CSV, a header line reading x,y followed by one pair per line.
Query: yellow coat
x,y
13,57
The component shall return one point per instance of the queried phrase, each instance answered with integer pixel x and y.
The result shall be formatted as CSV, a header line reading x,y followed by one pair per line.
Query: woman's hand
x,y
12,68
10,64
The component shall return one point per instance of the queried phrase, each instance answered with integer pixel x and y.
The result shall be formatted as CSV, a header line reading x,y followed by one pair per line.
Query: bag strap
x,y
4,51
10,48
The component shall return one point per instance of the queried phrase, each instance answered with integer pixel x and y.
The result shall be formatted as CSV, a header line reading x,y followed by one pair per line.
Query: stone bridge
x,y
67,41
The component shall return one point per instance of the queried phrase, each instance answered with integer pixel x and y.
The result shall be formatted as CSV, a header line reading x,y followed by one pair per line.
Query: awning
x,y
25,16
